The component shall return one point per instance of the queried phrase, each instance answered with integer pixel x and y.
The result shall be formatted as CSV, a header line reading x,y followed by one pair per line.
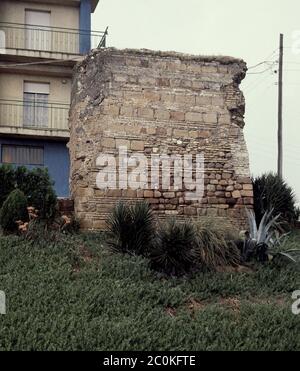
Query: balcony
x,y
39,41
34,118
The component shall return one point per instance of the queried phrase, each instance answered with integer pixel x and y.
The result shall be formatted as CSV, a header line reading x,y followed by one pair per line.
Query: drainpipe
x,y
85,26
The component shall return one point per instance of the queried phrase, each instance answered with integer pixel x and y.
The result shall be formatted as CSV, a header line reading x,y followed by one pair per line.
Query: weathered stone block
x,y
129,193
169,194
180,133
122,142
151,96
236,194
193,117
204,134
203,100
126,111
153,201
108,142
247,193
146,113
120,78
211,187
177,116
162,114
137,145
217,101
189,210
148,194
193,134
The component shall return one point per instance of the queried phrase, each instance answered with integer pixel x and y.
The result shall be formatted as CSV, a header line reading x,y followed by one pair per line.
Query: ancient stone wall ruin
x,y
160,102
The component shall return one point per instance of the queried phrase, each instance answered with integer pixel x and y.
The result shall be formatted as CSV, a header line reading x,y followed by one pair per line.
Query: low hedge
x,y
36,185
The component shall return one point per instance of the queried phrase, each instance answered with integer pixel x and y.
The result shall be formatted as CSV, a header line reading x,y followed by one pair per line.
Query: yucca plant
x,y
272,192
266,240
131,228
216,245
174,252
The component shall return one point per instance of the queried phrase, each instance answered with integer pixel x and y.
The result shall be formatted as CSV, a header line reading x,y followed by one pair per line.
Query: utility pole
x,y
280,152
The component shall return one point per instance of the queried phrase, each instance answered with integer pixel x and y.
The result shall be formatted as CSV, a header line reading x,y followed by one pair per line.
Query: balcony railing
x,y
34,115
49,39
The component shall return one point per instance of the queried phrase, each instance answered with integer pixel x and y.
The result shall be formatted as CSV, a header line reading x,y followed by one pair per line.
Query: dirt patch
x,y
237,269
233,304
85,254
170,311
276,300
81,255
194,304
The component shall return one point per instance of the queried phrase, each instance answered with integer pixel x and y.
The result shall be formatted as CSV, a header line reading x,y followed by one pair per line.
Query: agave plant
x,y
131,228
266,239
280,249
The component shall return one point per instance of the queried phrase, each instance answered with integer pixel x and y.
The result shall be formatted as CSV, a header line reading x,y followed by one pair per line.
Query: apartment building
x,y
41,40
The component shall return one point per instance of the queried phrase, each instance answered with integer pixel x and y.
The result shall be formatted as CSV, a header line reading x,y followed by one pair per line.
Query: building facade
x,y
40,42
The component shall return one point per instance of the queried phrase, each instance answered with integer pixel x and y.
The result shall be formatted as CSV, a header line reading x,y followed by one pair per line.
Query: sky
x,y
238,28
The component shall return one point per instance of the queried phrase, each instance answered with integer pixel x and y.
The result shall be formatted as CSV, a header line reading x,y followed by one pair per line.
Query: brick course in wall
x,y
160,102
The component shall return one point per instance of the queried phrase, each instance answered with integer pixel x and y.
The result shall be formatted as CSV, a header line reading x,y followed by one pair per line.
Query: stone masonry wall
x,y
160,102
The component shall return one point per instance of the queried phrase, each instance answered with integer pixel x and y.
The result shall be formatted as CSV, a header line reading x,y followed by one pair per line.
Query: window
x,y
36,106
38,32
22,155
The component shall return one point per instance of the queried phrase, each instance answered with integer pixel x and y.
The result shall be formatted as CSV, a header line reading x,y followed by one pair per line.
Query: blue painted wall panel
x,y
56,159
85,26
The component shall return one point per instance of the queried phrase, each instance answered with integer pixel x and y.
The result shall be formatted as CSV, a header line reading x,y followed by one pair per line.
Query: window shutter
x,y
22,155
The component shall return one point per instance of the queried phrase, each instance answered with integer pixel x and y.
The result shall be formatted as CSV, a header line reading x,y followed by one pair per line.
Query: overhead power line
x,y
257,65
260,72
266,60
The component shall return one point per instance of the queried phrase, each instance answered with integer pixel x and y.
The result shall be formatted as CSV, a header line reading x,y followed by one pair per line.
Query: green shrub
x,y
131,228
35,184
13,209
272,192
39,234
216,244
174,253
7,181
38,187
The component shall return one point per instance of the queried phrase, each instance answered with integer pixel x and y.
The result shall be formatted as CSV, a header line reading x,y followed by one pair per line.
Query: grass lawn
x,y
77,295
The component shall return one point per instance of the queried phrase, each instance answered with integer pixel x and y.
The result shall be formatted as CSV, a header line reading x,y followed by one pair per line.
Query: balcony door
x,y
38,31
36,105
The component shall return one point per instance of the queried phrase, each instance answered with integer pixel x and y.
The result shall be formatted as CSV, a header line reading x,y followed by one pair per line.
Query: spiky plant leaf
x,y
174,253
143,228
252,223
289,256
267,239
131,228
